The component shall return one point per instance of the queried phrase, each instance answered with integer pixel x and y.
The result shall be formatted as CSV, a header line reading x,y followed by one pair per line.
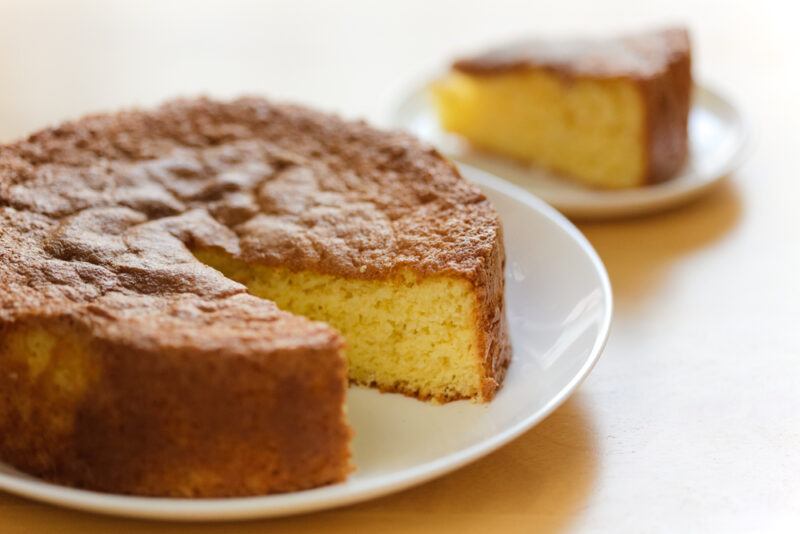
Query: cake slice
x,y
609,113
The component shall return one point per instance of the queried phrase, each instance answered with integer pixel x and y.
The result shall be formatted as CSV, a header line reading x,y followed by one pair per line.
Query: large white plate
x,y
717,140
559,308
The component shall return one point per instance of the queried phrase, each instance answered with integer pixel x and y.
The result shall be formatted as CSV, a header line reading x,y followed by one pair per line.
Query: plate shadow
x,y
637,251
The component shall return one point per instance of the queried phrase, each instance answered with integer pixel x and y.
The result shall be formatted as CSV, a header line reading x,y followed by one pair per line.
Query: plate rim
x,y
327,497
651,199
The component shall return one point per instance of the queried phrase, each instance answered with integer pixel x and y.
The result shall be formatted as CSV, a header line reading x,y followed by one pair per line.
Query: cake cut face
x,y
609,113
406,334
186,293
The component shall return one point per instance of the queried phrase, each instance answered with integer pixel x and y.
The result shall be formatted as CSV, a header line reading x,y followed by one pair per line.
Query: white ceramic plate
x,y
717,140
559,309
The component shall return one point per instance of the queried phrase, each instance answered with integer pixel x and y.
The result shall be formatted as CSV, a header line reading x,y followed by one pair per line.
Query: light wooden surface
x,y
691,421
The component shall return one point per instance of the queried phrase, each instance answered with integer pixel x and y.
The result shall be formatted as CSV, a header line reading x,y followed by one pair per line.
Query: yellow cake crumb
x,y
588,129
416,335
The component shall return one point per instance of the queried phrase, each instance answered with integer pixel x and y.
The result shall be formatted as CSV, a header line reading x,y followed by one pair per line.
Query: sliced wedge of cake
x,y
609,113
160,277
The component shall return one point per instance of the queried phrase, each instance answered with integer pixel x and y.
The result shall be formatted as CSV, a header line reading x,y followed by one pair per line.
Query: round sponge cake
x,y
164,275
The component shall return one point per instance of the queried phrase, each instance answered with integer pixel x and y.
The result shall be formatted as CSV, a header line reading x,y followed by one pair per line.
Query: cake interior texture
x,y
585,128
408,334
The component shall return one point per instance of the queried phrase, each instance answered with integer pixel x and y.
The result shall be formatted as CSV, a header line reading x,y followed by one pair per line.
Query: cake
x,y
186,292
608,113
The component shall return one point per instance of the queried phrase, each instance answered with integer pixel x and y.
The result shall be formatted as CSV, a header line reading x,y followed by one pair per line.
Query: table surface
x,y
691,420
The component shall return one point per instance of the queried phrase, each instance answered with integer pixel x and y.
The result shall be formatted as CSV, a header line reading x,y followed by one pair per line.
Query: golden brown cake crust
x,y
668,99
179,421
98,220
658,62
632,56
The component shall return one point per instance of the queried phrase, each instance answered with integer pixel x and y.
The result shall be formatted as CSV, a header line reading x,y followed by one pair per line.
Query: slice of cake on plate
x,y
608,113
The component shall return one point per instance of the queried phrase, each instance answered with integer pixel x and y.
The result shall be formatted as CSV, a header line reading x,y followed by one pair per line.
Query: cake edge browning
x,y
495,343
667,100
639,55
101,414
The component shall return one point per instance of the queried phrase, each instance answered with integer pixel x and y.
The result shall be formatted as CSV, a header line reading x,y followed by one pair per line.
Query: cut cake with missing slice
x,y
142,255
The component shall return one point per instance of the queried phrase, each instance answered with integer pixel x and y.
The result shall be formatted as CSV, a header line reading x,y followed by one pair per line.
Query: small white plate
x,y
559,310
717,139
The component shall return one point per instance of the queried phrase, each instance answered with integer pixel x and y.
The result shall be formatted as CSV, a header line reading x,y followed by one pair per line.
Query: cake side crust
x,y
94,413
668,99
635,56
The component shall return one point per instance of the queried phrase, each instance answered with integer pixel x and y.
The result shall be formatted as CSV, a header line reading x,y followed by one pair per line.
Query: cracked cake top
x,y
99,217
